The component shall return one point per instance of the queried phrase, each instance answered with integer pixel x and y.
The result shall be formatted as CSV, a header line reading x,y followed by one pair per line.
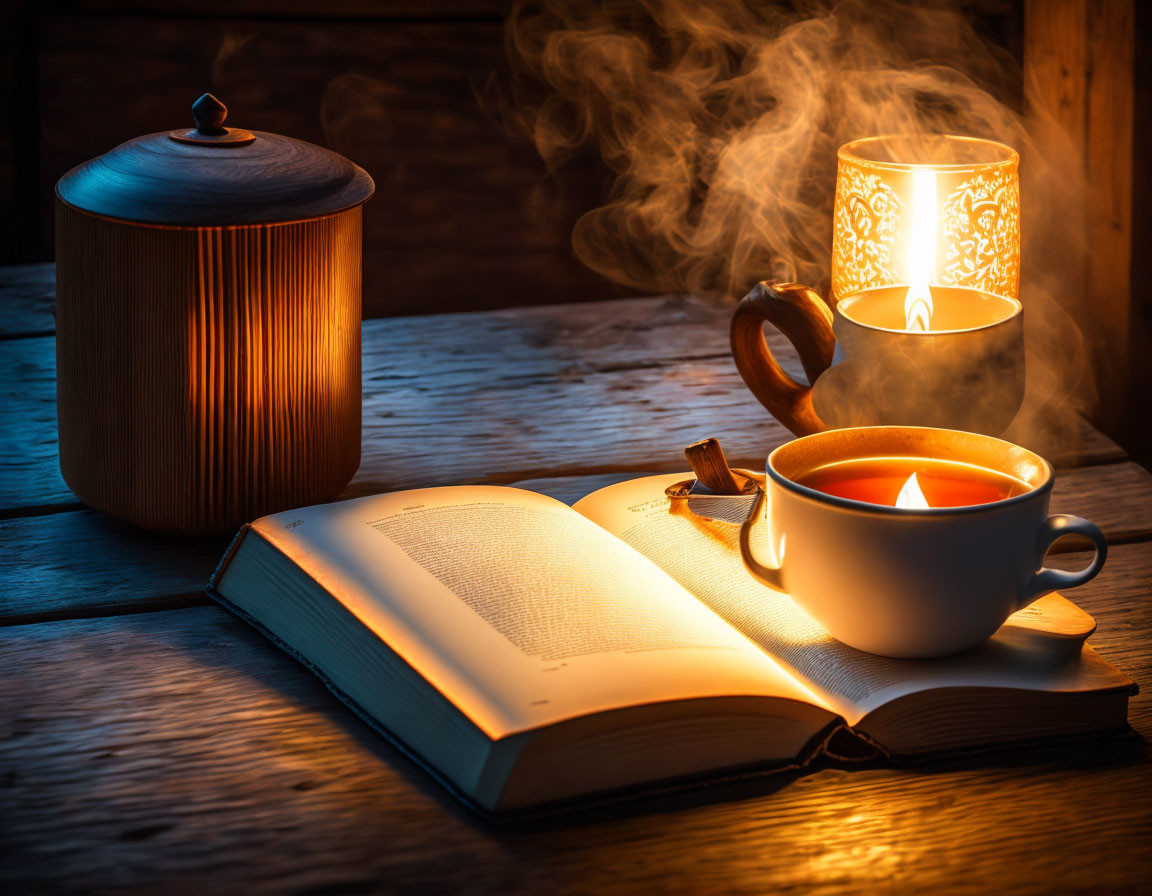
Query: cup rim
x,y
904,512
1017,311
849,152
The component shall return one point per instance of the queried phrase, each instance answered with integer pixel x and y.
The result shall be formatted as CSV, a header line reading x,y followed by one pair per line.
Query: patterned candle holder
x,y
923,327
966,230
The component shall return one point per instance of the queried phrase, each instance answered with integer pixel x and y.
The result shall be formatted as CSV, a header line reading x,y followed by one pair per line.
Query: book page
x,y
519,610
704,557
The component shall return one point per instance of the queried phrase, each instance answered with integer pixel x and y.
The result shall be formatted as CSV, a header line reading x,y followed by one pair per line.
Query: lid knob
x,y
209,114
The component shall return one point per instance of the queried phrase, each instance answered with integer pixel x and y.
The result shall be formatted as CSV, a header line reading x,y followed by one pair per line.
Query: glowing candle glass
x,y
922,211
924,327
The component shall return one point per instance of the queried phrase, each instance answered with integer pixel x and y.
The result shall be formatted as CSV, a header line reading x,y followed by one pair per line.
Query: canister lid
x,y
213,176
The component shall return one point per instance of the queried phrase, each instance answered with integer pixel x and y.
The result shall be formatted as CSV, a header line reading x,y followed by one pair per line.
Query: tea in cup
x,y
908,541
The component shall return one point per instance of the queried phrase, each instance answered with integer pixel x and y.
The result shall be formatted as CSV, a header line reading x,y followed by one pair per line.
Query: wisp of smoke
x,y
720,123
232,43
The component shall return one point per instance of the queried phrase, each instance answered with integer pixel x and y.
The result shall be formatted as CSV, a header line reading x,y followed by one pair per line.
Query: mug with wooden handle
x,y
937,210
866,368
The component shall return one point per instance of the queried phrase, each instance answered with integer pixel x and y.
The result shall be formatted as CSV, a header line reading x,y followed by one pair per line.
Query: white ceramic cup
x,y
911,583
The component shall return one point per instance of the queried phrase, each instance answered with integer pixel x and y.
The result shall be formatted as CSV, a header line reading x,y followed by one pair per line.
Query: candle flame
x,y
921,251
911,497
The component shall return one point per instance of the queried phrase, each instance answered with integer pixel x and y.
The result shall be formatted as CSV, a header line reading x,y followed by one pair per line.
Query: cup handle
x,y
768,575
803,317
1045,580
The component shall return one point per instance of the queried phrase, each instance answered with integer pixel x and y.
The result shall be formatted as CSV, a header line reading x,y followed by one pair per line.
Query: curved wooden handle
x,y
801,315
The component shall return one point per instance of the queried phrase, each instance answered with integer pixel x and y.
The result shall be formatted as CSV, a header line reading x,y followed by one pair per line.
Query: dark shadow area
x,y
1136,431
465,216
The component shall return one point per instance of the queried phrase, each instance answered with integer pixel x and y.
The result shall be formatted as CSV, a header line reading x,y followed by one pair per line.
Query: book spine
x,y
214,582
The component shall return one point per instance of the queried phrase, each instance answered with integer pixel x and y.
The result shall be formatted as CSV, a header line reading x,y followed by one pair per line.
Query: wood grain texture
x,y
806,320
83,563
1078,66
192,751
622,385
27,300
207,375
179,750
29,462
269,178
1108,158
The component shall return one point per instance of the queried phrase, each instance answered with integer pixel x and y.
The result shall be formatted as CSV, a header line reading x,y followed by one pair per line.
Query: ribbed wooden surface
x,y
207,376
157,180
148,745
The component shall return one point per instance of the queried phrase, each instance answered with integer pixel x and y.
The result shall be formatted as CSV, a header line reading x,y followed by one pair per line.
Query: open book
x,y
530,652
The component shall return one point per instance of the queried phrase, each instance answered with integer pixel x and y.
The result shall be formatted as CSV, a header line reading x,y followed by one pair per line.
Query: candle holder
x,y
924,327
938,208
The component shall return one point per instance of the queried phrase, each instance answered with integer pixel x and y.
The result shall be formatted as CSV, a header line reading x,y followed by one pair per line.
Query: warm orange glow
x,y
926,211
907,482
921,250
911,497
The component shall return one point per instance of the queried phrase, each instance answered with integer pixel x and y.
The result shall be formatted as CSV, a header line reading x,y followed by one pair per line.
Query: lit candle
x,y
921,251
924,318
926,211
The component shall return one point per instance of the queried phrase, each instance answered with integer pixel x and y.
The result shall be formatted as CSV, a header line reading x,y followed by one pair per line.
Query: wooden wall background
x,y
464,216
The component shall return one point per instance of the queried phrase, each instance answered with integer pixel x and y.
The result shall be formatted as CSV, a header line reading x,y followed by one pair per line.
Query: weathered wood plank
x,y
83,563
620,385
1121,600
1114,497
29,459
27,299
1108,159
186,748
364,10
1078,67
508,368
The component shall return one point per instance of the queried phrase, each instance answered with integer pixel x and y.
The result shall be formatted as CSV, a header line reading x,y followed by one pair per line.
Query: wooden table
x,y
148,738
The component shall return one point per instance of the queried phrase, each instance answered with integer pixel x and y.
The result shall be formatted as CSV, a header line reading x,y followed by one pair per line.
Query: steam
x,y
232,43
356,112
720,125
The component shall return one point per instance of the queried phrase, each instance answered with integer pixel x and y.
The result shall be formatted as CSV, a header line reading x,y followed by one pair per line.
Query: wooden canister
x,y
208,325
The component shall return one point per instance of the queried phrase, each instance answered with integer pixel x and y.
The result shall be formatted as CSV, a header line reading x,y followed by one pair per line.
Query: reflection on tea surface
x,y
878,480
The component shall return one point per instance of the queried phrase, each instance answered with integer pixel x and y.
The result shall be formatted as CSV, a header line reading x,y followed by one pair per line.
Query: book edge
x,y
812,750
388,735
222,566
